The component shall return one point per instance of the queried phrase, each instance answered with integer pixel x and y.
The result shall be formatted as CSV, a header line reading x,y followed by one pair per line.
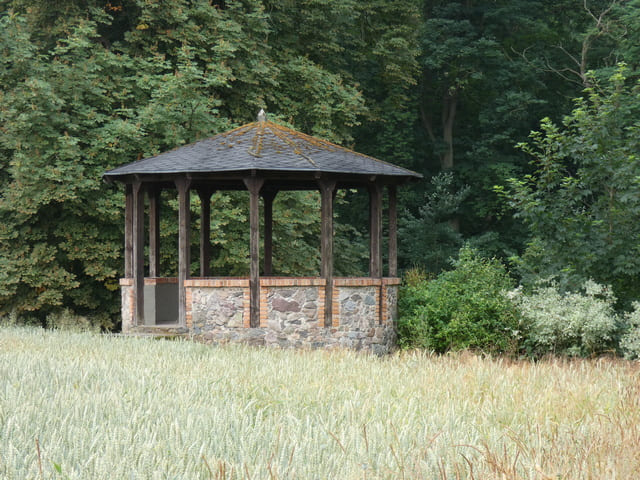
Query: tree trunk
x,y
447,120
449,105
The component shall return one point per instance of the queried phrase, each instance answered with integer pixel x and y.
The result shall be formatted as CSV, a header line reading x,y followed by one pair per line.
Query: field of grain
x,y
87,406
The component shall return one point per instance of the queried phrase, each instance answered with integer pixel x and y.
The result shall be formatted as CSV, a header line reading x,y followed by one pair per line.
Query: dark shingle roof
x,y
262,145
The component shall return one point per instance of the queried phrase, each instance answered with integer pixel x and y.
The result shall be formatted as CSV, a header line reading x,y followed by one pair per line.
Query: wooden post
x,y
254,184
375,230
128,231
154,231
268,197
393,231
138,252
327,191
184,245
205,231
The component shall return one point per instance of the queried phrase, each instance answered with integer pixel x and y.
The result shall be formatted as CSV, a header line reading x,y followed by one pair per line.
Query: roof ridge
x,y
293,144
256,142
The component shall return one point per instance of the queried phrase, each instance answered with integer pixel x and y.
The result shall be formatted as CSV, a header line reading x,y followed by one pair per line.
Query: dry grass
x,y
117,408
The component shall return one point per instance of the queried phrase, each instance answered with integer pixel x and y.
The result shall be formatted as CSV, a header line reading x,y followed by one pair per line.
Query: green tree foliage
x,y
582,202
375,47
465,308
88,86
477,98
581,38
56,242
432,85
627,47
490,71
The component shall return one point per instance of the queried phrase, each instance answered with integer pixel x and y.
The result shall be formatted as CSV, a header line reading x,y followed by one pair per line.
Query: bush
x,y
462,308
630,341
66,319
63,319
569,323
13,318
9,320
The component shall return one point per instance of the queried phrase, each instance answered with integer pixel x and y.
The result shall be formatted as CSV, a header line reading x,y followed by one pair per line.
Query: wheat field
x,y
90,406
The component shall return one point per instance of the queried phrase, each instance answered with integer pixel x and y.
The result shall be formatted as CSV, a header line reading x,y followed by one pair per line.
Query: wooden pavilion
x,y
263,158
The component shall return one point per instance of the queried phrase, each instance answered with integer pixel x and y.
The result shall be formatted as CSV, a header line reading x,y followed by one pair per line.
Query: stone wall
x,y
127,307
361,317
217,304
292,303
292,312
390,303
358,307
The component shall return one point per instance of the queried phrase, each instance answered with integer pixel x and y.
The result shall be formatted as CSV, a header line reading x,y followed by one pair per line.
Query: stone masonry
x,y
291,312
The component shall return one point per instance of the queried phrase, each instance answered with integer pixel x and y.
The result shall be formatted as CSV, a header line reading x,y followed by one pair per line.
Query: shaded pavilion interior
x,y
262,158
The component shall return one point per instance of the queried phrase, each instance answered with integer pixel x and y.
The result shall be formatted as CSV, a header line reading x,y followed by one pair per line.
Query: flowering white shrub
x,y
569,323
630,341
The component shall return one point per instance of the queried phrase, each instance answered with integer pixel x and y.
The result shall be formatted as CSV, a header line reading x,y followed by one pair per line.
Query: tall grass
x,y
85,406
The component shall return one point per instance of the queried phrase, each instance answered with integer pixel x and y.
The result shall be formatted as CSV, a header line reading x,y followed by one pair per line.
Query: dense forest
x,y
523,117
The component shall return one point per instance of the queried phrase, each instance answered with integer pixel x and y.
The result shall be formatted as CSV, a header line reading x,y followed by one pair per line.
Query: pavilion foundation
x,y
292,312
